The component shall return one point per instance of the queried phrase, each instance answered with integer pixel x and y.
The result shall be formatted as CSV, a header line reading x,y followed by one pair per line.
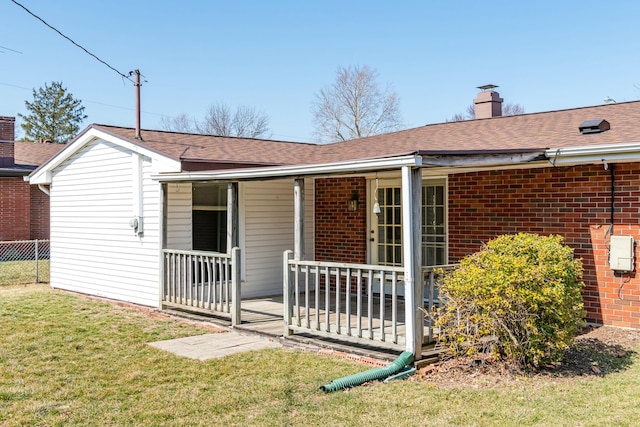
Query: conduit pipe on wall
x,y
612,168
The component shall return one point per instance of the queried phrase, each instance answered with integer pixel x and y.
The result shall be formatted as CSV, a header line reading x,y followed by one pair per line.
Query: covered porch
x,y
385,302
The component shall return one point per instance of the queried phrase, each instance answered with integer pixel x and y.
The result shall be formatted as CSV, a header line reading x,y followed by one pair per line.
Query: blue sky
x,y
276,55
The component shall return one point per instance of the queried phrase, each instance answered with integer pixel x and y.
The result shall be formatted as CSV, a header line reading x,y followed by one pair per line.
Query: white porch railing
x,y
353,301
200,281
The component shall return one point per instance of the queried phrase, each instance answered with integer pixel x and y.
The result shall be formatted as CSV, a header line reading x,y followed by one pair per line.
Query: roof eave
x,y
43,174
453,163
589,154
294,170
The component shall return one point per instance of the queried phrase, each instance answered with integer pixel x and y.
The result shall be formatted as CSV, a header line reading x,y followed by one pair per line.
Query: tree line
x,y
355,105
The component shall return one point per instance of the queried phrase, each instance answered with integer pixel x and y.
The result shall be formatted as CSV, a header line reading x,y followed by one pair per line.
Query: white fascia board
x,y
298,170
43,174
627,152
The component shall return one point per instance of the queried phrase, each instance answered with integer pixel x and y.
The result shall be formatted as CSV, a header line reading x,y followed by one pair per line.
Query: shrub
x,y
519,296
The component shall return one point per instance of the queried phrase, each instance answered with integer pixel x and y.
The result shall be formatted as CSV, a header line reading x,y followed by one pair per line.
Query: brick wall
x,y
6,148
340,234
39,211
573,202
15,215
7,155
7,128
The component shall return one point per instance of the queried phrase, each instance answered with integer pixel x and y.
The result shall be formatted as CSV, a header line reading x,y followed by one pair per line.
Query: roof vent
x,y
594,126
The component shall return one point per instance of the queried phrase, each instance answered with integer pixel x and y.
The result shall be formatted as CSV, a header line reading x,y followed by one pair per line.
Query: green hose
x,y
372,374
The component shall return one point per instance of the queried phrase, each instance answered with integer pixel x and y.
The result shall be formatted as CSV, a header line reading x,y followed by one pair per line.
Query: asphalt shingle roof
x,y
34,154
522,132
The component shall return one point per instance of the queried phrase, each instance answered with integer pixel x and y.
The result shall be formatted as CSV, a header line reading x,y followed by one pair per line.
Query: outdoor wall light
x,y
376,205
352,204
376,208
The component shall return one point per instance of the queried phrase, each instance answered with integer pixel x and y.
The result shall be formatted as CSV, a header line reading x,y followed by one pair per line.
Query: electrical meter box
x,y
621,253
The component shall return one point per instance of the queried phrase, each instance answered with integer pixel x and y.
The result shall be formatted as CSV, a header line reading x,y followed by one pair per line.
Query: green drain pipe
x,y
371,375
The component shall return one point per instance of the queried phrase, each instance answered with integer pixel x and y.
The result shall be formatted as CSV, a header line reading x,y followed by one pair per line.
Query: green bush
x,y
519,296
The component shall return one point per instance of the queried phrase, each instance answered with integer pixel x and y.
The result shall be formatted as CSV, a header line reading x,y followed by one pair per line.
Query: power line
x,y
93,102
9,49
126,76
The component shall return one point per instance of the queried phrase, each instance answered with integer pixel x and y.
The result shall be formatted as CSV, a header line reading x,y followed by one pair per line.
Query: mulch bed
x,y
597,352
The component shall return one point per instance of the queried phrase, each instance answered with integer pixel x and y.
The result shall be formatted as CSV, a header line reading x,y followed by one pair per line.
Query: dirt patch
x,y
597,352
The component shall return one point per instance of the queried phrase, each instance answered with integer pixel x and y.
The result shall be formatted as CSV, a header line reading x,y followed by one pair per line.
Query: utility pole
x,y
137,84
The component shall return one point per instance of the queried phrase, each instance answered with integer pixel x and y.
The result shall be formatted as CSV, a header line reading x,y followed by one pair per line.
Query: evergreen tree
x,y
54,114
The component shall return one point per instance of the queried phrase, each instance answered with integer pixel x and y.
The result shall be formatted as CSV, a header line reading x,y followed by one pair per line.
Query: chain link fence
x,y
24,261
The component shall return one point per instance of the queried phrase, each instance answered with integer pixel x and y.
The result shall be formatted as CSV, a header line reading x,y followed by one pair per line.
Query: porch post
x,y
162,228
298,201
235,286
287,291
232,216
412,254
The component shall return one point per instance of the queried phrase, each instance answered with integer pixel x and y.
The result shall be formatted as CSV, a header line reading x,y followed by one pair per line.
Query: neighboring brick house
x,y
24,209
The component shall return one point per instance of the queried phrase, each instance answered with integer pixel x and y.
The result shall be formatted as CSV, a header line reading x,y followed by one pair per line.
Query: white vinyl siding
x,y
93,248
178,224
268,230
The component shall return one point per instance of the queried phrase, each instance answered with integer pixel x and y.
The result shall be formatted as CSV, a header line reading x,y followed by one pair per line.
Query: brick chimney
x,y
488,103
7,136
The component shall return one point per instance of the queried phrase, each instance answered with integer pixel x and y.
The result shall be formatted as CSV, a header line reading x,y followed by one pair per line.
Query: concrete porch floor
x,y
264,316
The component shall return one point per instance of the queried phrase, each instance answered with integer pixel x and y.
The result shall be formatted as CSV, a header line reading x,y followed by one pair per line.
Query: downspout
x,y
44,189
406,358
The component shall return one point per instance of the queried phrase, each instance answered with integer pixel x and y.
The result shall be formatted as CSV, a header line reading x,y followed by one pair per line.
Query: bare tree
x,y
354,106
244,122
220,120
508,109
180,123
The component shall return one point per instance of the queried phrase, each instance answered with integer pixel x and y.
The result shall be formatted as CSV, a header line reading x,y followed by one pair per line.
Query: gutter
x,y
292,171
589,154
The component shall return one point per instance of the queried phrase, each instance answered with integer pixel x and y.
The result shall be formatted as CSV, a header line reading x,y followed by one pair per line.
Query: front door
x,y
386,222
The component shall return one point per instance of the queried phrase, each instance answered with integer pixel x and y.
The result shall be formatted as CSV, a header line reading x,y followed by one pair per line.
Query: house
x,y
348,232
24,209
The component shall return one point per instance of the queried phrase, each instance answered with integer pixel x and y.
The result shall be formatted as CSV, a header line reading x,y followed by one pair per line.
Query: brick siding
x,y
340,234
15,204
7,128
574,202
39,211
7,155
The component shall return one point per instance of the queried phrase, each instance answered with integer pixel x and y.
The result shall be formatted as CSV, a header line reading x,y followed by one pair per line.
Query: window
x,y
209,217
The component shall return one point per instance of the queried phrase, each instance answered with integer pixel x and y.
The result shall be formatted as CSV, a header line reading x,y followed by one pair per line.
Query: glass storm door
x,y
434,222
386,222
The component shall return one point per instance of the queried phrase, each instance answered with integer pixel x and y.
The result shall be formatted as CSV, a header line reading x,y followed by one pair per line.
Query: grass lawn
x,y
66,360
